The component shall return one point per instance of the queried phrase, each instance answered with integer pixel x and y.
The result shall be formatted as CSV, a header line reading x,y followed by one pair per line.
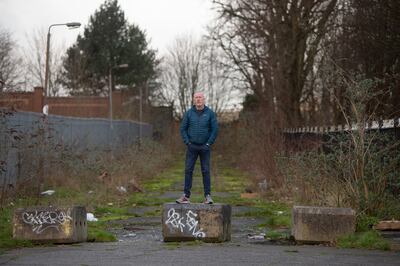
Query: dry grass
x,y
90,178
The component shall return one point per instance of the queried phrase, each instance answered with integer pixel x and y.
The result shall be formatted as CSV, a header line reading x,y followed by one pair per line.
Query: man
x,y
199,130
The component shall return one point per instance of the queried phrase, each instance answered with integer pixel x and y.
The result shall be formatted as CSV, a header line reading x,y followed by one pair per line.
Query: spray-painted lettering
x,y
178,222
42,220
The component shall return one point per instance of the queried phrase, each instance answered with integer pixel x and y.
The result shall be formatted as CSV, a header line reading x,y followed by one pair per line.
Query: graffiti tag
x,y
178,222
43,220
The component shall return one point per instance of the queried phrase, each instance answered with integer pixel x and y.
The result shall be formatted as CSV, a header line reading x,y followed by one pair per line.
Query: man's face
x,y
199,99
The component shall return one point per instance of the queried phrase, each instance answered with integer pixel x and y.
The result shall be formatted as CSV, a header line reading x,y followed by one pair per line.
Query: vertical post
x,y
140,114
46,73
110,98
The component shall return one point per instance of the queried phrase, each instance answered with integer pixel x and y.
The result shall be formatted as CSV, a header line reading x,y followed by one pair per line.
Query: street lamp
x,y
70,25
111,89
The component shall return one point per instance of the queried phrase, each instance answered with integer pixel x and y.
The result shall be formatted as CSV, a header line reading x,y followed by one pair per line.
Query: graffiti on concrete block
x,y
188,221
42,220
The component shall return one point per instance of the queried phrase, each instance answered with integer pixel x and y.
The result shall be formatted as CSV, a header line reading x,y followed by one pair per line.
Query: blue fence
x,y
20,131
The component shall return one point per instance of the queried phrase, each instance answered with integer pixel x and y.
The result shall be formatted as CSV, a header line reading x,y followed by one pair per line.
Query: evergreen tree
x,y
108,40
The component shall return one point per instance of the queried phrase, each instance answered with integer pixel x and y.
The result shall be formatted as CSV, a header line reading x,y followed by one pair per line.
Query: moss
x,y
194,243
177,244
172,245
275,235
97,232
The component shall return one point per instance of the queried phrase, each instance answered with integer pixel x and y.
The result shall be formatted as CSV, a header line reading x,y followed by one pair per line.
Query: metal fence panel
x,y
21,130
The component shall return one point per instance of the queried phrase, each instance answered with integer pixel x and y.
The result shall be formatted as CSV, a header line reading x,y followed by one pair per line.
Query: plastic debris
x,y
48,192
121,189
90,217
129,235
256,237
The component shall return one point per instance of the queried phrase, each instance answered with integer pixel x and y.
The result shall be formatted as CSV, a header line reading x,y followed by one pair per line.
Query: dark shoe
x,y
208,200
183,200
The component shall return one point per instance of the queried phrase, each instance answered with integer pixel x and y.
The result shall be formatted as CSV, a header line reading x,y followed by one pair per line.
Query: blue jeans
x,y
193,151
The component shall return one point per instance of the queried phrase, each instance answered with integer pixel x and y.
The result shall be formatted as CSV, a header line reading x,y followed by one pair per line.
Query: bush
x,y
357,168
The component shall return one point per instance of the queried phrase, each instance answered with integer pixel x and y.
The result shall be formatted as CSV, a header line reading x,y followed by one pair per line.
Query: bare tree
x,y
218,81
35,62
181,72
194,65
274,45
10,62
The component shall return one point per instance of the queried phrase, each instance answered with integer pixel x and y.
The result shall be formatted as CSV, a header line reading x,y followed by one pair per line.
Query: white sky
x,y
163,20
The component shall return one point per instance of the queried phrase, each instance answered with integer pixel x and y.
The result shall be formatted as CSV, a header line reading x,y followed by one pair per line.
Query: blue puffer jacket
x,y
198,128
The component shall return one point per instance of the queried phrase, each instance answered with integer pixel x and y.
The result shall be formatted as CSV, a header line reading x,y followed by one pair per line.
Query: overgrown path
x,y
259,231
252,217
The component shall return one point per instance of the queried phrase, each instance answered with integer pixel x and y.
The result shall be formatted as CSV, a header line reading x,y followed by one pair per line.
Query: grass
x,y
366,240
276,235
165,180
231,180
111,211
156,212
277,222
97,232
276,214
146,199
6,240
365,223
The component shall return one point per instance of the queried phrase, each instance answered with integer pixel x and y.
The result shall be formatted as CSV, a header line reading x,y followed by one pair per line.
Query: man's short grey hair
x,y
199,92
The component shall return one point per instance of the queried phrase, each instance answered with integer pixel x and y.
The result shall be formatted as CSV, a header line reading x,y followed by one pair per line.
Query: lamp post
x,y
70,25
111,89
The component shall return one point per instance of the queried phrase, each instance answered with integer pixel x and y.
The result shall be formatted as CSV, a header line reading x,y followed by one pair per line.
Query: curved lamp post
x,y
111,89
70,25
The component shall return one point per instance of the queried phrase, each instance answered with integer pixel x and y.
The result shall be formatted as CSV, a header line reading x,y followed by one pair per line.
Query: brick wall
x,y
81,106
125,105
23,101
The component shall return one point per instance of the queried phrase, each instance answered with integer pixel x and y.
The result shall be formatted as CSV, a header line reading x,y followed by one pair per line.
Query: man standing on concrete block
x,y
199,129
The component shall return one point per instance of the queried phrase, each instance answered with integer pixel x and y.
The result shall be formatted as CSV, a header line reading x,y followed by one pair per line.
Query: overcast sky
x,y
163,20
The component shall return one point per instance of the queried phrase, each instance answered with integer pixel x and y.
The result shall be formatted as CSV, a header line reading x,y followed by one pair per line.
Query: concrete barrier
x,y
50,224
322,224
185,222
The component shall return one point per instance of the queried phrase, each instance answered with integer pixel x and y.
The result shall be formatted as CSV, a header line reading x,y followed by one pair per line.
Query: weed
x,y
369,240
365,223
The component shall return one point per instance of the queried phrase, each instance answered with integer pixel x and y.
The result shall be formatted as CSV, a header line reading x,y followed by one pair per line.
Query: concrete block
x,y
392,225
322,224
185,222
50,224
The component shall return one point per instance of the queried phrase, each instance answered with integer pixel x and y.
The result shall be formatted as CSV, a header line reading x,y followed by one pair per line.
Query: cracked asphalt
x,y
140,243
